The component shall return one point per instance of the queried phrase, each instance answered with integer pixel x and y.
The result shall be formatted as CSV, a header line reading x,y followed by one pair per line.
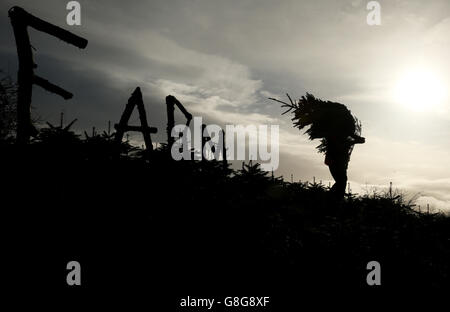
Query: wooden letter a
x,y
122,126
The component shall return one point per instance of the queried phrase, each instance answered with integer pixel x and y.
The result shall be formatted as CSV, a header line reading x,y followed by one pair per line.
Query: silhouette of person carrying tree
x,y
337,129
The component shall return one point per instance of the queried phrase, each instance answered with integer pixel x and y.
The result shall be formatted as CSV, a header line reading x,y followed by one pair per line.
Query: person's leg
x,y
339,173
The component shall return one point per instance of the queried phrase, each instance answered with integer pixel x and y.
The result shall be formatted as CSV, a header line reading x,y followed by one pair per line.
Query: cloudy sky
x,y
222,59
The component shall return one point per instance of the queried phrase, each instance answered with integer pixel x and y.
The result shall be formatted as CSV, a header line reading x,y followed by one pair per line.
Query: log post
x,y
224,151
171,101
20,20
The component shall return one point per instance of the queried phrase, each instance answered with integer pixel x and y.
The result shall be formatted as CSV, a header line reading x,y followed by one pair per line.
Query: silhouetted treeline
x,y
200,225
8,107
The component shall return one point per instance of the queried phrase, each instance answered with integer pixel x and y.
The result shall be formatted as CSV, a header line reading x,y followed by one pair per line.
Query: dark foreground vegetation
x,y
194,227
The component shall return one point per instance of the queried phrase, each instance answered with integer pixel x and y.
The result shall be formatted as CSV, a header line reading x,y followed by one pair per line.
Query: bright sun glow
x,y
420,90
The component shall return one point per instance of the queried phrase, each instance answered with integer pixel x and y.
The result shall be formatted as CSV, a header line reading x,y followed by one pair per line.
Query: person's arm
x,y
358,139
